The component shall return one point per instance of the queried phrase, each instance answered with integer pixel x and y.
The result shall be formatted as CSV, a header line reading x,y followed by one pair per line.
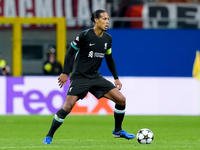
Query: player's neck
x,y
98,31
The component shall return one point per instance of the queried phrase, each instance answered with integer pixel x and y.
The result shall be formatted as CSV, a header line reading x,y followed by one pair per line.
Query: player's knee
x,y
67,108
122,100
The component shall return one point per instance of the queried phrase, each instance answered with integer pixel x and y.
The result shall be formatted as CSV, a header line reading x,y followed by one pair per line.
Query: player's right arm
x,y
74,47
67,68
70,53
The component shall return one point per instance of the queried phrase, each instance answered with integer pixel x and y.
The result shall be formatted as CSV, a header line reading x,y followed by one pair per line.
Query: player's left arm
x,y
112,67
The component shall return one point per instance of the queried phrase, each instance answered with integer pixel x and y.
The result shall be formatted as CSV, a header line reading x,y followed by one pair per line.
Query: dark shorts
x,y
97,86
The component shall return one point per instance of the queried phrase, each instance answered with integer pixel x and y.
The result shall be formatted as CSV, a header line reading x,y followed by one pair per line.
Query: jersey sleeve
x,y
109,50
72,50
110,61
76,44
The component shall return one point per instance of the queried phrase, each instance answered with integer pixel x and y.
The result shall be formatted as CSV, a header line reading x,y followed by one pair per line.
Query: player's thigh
x,y
116,96
101,86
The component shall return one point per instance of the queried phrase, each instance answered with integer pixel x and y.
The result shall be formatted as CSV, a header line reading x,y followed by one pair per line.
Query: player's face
x,y
103,21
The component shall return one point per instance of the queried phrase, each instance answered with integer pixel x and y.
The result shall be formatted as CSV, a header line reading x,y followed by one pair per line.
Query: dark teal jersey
x,y
91,50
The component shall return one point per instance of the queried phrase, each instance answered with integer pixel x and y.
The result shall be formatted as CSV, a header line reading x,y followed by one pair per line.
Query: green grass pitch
x,y
93,132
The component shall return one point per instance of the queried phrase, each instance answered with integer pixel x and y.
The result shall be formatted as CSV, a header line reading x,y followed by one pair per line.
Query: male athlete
x,y
90,47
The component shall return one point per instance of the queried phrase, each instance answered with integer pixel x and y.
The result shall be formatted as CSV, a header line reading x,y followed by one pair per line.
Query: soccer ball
x,y
145,136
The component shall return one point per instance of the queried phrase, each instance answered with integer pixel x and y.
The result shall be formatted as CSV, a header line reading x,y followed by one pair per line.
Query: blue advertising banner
x,y
164,53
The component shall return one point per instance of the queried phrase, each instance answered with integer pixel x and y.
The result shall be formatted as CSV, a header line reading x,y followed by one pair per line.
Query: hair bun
x,y
92,18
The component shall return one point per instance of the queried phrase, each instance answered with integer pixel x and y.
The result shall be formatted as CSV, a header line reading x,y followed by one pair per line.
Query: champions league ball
x,y
145,136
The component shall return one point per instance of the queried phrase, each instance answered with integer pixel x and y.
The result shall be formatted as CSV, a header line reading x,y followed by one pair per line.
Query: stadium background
x,y
154,46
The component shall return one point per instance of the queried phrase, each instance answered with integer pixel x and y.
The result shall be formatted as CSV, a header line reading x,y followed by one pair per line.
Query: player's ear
x,y
96,20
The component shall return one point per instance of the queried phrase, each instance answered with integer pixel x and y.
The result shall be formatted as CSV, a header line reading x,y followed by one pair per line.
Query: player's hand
x,y
62,79
118,84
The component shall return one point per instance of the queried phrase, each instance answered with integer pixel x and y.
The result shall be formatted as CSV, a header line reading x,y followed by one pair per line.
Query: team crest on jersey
x,y
105,46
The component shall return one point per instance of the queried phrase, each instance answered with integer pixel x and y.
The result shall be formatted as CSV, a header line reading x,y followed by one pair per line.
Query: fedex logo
x,y
31,94
42,95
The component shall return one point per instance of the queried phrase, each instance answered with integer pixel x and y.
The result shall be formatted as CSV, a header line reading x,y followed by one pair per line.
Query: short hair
x,y
96,14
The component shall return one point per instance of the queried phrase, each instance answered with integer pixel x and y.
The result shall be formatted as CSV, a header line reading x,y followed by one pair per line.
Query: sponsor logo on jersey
x,y
95,54
91,53
91,44
99,55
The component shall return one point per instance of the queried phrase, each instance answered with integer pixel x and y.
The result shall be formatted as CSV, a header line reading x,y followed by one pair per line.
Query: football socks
x,y
119,112
57,121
